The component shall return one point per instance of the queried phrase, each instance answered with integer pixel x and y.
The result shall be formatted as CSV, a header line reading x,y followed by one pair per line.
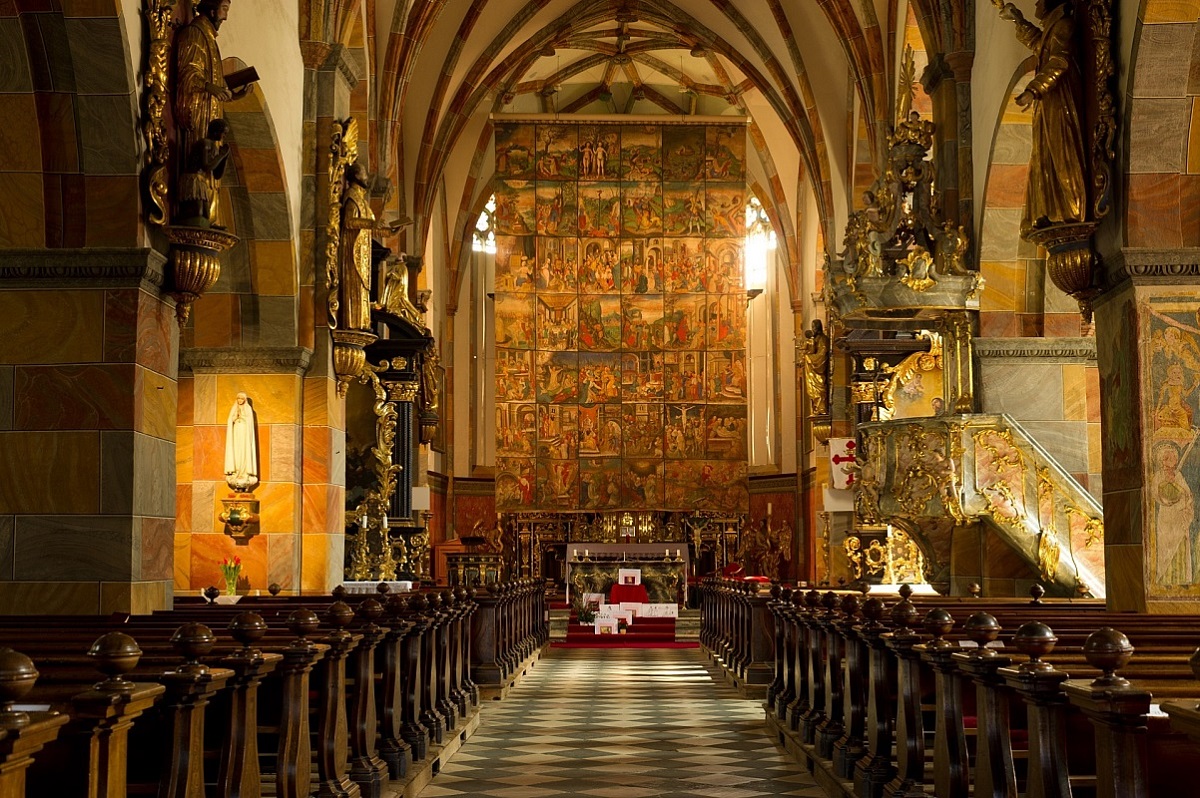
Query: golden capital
x,y
405,391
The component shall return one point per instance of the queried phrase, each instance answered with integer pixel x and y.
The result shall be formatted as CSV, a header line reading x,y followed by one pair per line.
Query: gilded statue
x,y
393,297
1057,188
816,368
200,88
355,264
199,186
431,381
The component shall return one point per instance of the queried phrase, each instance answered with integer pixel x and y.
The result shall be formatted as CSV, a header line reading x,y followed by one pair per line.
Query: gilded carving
x,y
1000,475
373,553
899,252
156,92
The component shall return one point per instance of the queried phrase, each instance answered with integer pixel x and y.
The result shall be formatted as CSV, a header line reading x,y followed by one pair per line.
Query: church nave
x,y
622,723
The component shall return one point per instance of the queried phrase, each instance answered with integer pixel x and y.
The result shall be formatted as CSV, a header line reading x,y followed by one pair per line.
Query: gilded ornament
x,y
156,92
1048,553
917,273
343,151
373,553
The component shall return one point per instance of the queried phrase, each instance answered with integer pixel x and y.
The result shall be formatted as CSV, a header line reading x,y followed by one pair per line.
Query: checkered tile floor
x,y
622,723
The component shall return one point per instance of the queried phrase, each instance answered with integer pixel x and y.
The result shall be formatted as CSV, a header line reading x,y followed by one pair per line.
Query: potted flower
x,y
231,570
584,612
622,626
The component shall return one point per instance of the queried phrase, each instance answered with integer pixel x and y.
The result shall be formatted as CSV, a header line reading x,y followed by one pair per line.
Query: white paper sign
x,y
606,626
629,576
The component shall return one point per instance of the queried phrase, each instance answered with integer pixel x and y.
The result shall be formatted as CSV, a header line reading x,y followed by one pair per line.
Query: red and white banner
x,y
842,453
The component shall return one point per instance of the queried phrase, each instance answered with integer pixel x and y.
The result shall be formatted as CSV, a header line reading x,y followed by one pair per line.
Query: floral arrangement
x,y
231,569
584,613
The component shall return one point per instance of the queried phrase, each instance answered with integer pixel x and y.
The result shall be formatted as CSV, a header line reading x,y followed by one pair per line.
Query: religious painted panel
x,y
641,153
620,316
514,151
1171,325
514,207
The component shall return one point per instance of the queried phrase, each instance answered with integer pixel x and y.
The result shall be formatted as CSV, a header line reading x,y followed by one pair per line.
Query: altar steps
x,y
642,633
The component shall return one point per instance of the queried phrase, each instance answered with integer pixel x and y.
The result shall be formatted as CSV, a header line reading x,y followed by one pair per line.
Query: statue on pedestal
x,y
241,447
816,368
1057,188
355,273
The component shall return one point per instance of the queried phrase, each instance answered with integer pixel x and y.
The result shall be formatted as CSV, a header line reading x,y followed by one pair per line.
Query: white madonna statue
x,y
241,448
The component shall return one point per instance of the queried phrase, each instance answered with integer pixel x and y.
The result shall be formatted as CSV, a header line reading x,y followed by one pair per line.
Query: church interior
x,y
368,362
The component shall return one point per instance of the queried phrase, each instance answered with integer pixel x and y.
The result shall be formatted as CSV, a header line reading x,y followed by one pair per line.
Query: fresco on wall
x,y
620,317
1171,325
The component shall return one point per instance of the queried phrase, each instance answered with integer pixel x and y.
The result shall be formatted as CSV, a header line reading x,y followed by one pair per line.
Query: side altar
x,y
595,567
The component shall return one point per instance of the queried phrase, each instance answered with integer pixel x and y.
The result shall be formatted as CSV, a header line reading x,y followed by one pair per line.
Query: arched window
x,y
760,244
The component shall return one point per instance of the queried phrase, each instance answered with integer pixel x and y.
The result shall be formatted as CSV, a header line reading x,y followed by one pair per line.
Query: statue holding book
x,y
201,86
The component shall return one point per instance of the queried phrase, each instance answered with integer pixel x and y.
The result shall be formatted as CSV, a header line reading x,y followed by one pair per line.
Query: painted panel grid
x,y
620,317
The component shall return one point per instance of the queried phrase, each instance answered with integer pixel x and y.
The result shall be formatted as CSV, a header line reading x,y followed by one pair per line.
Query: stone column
x,y
1146,332
88,401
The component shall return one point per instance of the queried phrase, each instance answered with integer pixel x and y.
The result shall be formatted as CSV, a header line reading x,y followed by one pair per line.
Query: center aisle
x,y
622,723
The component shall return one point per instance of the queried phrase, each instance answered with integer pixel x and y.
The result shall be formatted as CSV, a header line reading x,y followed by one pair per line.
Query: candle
x,y
585,551
575,552
666,552
677,554
768,508
385,520
362,521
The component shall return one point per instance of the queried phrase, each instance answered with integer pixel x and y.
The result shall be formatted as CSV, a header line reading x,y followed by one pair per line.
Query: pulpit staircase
x,y
934,477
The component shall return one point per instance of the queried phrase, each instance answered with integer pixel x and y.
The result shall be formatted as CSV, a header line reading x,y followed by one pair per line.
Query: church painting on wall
x,y
1172,328
620,316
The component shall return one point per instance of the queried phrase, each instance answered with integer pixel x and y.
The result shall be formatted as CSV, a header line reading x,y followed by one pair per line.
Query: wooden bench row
x,y
854,686
306,696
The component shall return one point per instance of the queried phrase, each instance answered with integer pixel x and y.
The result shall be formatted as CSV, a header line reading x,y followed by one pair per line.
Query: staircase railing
x,y
955,470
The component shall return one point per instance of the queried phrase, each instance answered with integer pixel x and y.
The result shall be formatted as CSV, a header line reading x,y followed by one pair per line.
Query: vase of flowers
x,y
231,570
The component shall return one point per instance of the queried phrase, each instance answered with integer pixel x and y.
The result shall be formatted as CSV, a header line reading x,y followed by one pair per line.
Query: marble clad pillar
x,y
88,401
1148,346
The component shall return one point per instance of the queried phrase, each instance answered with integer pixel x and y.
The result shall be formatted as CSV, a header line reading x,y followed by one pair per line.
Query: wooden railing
x,y
908,696
305,696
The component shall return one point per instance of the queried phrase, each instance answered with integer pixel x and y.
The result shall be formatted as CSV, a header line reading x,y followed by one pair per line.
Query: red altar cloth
x,y
620,593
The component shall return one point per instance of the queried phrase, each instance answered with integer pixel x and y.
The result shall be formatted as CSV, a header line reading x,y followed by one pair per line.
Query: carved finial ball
x,y
247,628
339,592
193,640
1107,650
303,622
370,610
905,591
975,589
448,597
274,589
785,595
829,601
339,614
17,674
383,588
982,628
849,606
938,622
812,599
873,609
115,653
776,592
211,592
434,600
905,614
1036,592
1035,639
418,602
397,604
